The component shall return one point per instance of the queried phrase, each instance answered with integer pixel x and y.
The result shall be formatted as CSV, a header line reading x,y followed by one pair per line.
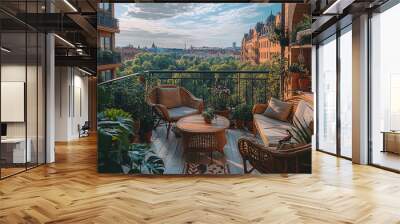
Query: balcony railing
x,y
248,87
105,57
106,20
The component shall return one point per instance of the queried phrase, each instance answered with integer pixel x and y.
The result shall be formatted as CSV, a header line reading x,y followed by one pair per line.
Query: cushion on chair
x,y
169,97
179,112
304,114
278,109
271,130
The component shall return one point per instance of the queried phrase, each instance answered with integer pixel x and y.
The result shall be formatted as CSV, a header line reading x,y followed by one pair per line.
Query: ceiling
x,y
74,22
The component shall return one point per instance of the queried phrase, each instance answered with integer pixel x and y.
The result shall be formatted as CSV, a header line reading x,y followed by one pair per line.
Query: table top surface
x,y
391,132
196,124
13,140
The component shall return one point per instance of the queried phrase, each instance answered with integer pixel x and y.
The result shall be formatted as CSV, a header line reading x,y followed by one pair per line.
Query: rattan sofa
x,y
271,130
263,155
268,159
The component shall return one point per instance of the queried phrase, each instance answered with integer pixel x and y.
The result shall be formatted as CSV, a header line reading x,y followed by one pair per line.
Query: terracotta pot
x,y
136,126
207,120
142,80
147,136
239,124
294,81
305,83
224,113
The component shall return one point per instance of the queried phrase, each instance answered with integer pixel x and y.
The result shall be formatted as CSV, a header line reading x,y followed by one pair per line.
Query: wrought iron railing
x,y
107,20
105,57
248,87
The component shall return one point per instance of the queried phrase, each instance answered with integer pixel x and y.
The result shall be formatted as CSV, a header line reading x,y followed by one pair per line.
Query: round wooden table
x,y
199,136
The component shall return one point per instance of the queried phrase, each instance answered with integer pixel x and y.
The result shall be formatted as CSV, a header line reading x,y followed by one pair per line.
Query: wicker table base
x,y
202,137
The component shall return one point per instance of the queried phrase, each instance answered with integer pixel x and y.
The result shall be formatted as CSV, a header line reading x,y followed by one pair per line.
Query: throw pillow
x,y
278,109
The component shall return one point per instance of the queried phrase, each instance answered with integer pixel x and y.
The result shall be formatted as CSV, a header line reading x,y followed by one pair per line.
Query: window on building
x,y
105,43
105,7
105,75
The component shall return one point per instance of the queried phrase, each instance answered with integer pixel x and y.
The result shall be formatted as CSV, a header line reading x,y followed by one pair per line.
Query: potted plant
x,y
208,115
115,129
220,100
242,115
146,127
295,72
305,81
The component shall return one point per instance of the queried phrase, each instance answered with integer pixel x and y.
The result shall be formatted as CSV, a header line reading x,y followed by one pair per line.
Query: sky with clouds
x,y
171,25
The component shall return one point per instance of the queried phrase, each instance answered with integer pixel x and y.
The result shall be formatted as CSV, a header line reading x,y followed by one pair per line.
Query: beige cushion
x,y
169,97
304,114
278,109
271,130
179,112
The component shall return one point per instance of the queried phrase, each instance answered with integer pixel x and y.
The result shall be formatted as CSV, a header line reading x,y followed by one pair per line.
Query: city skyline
x,y
171,25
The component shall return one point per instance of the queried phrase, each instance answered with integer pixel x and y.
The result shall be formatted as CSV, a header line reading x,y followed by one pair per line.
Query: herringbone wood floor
x,y
71,191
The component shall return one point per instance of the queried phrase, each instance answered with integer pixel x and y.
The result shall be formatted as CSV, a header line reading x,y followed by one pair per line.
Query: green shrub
x,y
243,112
115,151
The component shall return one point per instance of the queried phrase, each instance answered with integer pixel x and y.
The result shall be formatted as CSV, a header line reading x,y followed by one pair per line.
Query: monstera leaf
x,y
141,156
301,132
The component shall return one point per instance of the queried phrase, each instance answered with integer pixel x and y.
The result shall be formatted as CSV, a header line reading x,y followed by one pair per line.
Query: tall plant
x,y
116,153
114,133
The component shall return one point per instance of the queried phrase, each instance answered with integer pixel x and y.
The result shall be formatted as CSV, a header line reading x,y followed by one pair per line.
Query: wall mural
x,y
205,89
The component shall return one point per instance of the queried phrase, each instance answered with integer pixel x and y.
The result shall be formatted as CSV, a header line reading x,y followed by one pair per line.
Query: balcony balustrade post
x,y
265,90
252,88
238,87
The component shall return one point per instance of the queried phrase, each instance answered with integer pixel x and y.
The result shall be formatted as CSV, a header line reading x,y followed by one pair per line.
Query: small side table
x,y
391,141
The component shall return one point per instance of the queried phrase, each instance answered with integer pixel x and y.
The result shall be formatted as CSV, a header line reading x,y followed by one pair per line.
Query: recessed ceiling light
x,y
86,72
65,41
337,7
70,5
5,50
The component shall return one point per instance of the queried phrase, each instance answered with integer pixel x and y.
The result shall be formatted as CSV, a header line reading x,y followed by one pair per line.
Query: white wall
x,y
71,102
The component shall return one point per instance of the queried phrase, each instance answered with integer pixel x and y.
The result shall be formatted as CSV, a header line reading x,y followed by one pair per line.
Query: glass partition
x,y
22,77
346,92
385,89
13,91
327,95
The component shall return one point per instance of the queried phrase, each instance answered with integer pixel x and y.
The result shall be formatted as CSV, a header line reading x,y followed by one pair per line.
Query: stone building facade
x,y
257,45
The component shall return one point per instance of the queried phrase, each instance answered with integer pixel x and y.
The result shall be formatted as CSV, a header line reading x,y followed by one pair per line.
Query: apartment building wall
x,y
106,71
257,47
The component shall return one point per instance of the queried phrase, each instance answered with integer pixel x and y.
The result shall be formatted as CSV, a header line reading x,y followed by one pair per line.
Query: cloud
x,y
173,25
156,11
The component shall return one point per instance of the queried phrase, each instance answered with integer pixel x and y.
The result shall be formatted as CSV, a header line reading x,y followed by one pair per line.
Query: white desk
x,y
18,149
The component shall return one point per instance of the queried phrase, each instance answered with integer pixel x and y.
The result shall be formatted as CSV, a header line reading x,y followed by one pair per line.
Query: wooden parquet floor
x,y
71,191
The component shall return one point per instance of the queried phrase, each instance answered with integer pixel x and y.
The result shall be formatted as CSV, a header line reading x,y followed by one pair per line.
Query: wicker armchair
x,y
269,160
189,105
